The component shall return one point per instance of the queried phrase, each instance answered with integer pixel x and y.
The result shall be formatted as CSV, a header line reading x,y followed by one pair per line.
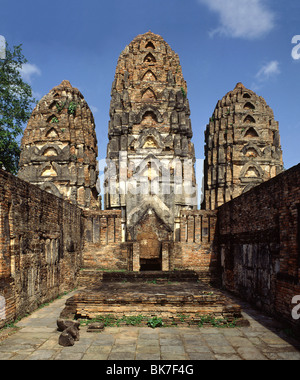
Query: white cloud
x,y
28,70
249,19
268,70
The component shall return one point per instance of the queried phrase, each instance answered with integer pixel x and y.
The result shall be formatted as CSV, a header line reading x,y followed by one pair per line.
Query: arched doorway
x,y
151,232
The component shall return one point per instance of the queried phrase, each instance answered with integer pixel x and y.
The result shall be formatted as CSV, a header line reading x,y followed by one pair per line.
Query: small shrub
x,y
54,120
155,322
72,108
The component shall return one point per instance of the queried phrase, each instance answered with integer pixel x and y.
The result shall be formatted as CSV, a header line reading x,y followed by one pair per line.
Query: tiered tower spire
x,y
242,147
59,147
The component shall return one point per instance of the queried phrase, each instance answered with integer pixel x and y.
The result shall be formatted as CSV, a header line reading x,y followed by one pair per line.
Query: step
x,y
91,277
167,301
151,276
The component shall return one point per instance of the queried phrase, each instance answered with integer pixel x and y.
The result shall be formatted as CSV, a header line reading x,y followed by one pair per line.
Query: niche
x,y
49,172
150,46
249,119
52,133
149,119
252,172
149,96
50,152
249,106
149,76
149,58
251,132
251,153
150,143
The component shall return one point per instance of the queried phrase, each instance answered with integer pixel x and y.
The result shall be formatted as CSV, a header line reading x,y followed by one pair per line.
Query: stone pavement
x,y
37,339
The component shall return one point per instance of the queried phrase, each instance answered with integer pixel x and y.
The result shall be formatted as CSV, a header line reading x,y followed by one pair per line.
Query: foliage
x,y
183,92
72,108
54,120
155,322
111,321
152,282
16,103
215,322
60,106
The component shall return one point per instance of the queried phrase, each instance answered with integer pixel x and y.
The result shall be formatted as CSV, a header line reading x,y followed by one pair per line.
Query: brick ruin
x,y
150,146
54,234
40,246
259,244
242,147
59,147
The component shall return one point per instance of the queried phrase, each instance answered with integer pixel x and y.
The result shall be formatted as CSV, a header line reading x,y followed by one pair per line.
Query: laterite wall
x,y
40,246
259,244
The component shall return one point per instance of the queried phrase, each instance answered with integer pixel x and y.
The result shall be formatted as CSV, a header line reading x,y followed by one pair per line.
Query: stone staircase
x,y
91,277
166,295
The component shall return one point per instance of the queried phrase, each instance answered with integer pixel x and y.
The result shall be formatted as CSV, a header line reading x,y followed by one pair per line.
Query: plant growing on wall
x,y
72,108
60,106
155,322
54,120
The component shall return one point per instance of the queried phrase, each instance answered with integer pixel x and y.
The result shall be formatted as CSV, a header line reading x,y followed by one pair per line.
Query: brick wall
x,y
259,244
103,247
195,249
40,246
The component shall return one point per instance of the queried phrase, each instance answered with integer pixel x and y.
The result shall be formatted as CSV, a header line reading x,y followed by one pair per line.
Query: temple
x,y
151,175
242,147
150,194
59,147
56,234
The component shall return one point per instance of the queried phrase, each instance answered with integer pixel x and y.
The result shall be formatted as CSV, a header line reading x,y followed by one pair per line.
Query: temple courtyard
x,y
36,338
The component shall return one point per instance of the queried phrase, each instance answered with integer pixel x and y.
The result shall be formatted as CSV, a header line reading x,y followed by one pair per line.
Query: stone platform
x,y
176,297
91,277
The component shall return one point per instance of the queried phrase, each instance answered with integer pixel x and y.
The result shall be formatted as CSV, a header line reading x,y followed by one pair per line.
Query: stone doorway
x,y
150,265
150,247
150,235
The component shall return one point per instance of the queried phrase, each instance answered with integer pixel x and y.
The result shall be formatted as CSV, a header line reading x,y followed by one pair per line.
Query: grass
x,y
152,282
215,322
112,321
154,322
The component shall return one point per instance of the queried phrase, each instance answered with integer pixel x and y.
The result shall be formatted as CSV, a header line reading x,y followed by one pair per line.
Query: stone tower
x,y
150,173
242,147
59,147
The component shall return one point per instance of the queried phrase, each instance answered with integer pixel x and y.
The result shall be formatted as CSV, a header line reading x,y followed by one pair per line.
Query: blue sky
x,y
219,42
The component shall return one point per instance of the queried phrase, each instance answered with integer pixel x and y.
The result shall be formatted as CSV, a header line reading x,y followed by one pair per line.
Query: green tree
x,y
16,104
